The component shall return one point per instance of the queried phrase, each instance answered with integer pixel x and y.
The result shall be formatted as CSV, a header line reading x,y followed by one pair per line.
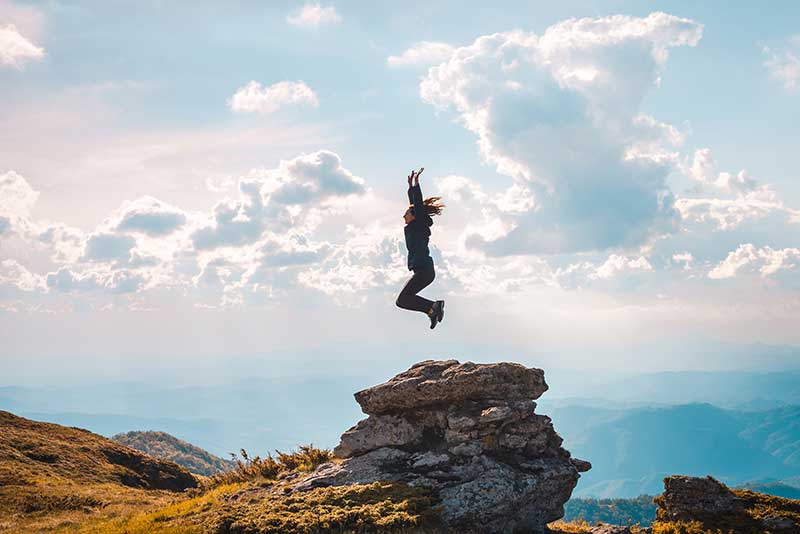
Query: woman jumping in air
x,y
417,231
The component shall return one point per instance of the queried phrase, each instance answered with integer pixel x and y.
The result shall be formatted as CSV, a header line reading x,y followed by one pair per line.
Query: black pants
x,y
408,298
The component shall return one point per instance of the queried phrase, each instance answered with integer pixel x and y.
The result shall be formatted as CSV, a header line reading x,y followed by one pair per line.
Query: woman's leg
x,y
408,298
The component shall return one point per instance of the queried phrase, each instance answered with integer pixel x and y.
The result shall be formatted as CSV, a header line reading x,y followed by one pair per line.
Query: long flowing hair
x,y
433,205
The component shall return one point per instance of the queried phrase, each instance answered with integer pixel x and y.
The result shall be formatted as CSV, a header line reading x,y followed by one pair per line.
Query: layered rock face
x,y
468,431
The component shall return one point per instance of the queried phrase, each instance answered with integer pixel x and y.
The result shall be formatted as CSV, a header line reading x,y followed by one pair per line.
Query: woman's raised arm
x,y
415,192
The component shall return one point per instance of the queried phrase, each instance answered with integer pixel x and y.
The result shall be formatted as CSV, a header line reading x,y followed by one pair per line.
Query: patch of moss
x,y
381,507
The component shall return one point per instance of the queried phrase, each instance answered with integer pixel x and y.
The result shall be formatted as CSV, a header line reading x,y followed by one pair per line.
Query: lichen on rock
x,y
470,433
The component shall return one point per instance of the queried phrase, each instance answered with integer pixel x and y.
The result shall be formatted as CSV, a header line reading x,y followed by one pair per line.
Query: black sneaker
x,y
437,312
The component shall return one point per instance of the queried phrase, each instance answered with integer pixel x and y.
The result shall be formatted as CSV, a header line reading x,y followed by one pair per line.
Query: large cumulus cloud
x,y
560,114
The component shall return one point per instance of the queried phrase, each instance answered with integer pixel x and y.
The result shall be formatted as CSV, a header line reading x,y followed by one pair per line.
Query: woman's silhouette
x,y
418,231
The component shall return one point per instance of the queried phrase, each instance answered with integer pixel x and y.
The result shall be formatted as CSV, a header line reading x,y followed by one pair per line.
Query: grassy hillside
x,y
53,476
253,498
168,447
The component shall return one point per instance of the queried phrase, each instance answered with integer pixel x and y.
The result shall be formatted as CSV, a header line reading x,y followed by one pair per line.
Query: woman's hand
x,y
413,178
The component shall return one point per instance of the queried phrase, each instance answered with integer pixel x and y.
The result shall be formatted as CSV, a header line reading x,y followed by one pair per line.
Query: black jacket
x,y
418,232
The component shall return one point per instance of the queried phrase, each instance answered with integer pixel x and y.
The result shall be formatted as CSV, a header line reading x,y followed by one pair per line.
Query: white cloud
x,y
280,198
254,98
102,247
724,199
424,53
559,114
616,264
17,197
66,242
14,273
764,260
728,213
314,16
703,169
784,65
219,185
150,216
686,258
66,281
589,273
369,258
16,50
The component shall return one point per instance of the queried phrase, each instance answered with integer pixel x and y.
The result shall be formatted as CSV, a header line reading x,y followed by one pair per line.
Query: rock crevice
x,y
469,432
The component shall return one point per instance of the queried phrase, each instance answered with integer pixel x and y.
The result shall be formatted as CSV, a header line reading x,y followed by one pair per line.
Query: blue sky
x,y
184,179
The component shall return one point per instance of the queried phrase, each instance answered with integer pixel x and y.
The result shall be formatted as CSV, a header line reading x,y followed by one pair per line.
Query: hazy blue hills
x,y
775,488
637,511
632,450
730,389
258,415
634,430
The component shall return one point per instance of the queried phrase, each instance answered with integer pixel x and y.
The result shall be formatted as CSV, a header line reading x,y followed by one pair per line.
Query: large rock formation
x,y
469,432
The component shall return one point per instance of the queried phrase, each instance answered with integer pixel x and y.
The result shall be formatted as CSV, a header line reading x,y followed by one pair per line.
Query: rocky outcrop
x,y
721,509
469,432
686,498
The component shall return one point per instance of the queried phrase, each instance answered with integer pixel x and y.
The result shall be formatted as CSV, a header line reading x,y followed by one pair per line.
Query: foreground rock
x,y
686,498
721,509
469,432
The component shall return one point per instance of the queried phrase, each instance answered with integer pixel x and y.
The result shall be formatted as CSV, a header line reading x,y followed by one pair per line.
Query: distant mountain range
x,y
745,427
631,450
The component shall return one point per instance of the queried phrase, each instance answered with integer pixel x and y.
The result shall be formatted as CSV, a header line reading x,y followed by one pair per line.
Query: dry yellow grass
x,y
247,468
572,527
249,508
174,518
